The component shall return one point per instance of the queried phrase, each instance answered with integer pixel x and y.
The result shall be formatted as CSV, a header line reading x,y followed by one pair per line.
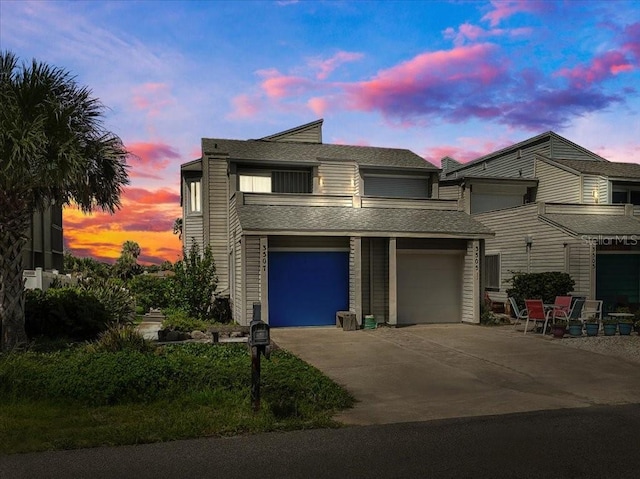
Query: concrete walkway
x,y
429,372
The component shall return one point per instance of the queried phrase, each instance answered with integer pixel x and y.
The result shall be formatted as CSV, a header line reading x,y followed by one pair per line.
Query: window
x,y
291,182
255,184
492,271
195,196
625,195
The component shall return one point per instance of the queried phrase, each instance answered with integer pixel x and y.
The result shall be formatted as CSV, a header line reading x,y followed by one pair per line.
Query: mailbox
x,y
259,333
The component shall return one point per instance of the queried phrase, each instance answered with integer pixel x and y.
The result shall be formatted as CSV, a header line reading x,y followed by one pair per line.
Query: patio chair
x,y
520,314
576,311
536,313
561,307
592,309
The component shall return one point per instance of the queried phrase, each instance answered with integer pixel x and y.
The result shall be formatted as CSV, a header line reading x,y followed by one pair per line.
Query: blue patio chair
x,y
519,314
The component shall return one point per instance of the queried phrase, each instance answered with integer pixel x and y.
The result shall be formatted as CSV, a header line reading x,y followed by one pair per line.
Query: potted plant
x,y
575,328
592,326
625,326
609,326
558,328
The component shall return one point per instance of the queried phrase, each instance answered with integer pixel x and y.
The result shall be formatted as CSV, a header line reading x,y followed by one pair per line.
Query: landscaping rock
x,y
198,335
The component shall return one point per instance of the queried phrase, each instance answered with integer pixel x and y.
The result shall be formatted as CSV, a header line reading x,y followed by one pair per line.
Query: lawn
x,y
81,397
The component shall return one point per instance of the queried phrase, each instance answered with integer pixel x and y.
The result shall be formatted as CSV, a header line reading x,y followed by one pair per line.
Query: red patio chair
x,y
536,313
561,307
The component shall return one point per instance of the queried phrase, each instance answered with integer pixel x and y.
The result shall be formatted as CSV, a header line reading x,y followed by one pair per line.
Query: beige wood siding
x,y
470,283
218,218
584,209
235,248
283,199
380,279
547,252
566,150
578,259
514,164
449,192
591,184
355,276
337,177
366,276
556,184
409,203
252,276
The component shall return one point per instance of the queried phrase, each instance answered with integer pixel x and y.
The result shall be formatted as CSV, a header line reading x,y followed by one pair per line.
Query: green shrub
x,y
545,286
150,291
179,320
116,298
120,338
195,282
64,312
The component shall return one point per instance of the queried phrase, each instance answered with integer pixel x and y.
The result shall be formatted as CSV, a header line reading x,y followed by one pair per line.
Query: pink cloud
x,y
318,105
142,195
632,40
504,9
602,67
277,85
152,97
467,149
327,66
245,106
472,33
148,158
429,82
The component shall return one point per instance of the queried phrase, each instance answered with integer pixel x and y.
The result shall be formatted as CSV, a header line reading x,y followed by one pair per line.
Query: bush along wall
x,y
545,286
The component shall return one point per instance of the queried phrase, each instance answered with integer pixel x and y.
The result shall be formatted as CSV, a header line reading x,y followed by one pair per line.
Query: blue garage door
x,y
306,288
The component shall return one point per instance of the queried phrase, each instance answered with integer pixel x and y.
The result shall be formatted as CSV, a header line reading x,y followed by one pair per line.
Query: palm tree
x,y
53,149
177,227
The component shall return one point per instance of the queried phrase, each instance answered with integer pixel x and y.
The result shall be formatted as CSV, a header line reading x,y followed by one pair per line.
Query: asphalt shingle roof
x,y
604,168
312,152
595,224
346,219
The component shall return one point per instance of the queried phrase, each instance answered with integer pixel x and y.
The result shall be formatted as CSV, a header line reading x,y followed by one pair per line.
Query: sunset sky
x,y
440,78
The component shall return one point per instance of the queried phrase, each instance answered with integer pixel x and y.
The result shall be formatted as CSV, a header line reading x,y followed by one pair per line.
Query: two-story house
x,y
555,206
308,229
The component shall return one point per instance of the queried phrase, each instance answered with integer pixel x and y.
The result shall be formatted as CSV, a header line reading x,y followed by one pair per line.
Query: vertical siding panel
x,y
468,287
218,219
366,276
380,273
252,275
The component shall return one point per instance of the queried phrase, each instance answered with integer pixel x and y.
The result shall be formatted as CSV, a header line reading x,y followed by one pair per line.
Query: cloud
x,y
601,67
147,159
245,106
152,98
327,66
146,217
466,149
430,83
473,33
276,85
631,41
503,9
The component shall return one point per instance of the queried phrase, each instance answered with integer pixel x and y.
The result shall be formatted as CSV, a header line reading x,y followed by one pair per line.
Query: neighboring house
x,y
308,229
555,206
44,248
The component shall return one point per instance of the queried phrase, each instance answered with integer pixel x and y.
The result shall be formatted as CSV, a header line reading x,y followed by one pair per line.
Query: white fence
x,y
39,279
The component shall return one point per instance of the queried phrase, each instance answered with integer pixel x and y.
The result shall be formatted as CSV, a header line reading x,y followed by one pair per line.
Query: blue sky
x,y
440,78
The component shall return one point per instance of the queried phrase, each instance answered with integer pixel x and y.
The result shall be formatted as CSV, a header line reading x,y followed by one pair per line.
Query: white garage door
x,y
429,287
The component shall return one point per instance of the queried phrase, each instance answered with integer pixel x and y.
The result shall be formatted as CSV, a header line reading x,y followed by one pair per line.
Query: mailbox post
x,y
259,343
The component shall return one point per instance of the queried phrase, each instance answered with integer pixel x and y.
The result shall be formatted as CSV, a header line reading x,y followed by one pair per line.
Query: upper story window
x,y
625,195
194,187
255,183
397,186
276,181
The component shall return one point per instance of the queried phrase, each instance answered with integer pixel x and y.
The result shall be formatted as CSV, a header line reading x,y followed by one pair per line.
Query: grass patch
x,y
83,398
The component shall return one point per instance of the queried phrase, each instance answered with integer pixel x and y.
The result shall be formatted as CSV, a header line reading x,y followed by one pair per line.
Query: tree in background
x,y
195,283
53,148
126,266
177,227
86,269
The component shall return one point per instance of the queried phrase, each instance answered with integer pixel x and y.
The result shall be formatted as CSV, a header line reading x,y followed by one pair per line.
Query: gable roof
x,y
538,139
603,168
341,220
277,151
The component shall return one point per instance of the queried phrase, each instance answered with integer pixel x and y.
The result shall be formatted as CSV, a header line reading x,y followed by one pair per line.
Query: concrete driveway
x,y
428,372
